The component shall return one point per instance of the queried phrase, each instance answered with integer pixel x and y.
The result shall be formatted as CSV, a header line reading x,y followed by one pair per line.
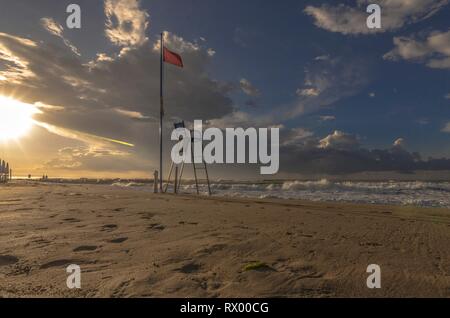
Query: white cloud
x,y
400,142
44,106
308,92
178,44
132,114
433,50
340,141
322,58
372,94
248,88
57,29
91,157
327,118
341,18
352,19
446,128
15,69
52,26
326,82
241,119
296,136
126,22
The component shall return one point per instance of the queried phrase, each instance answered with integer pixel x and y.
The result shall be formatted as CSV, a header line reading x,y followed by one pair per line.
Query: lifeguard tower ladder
x,y
197,168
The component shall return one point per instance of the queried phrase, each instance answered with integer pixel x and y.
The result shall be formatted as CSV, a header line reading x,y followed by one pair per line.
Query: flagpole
x,y
161,114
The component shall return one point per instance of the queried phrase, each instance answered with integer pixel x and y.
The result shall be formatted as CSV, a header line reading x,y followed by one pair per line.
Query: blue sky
x,y
293,54
280,41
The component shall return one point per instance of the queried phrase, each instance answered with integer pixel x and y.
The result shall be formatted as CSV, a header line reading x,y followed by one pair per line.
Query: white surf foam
x,y
418,193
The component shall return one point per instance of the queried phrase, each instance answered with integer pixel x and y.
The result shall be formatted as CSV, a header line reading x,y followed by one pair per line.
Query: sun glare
x,y
16,118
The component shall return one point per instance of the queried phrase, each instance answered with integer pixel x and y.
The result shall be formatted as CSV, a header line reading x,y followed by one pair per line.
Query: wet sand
x,y
135,244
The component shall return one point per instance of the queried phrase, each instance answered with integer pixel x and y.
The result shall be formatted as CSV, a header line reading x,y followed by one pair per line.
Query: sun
x,y
16,118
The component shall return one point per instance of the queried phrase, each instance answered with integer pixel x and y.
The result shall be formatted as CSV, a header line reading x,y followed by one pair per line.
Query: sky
x,y
346,98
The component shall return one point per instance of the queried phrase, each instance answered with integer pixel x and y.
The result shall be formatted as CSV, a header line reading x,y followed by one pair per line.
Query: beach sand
x,y
136,244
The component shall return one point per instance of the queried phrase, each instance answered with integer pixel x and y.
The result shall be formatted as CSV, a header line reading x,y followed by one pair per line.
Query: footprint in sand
x,y
156,226
212,249
59,263
147,216
118,240
6,260
109,227
85,248
72,220
23,209
302,270
189,268
371,244
41,242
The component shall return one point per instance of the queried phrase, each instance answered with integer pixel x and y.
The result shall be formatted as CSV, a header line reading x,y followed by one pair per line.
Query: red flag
x,y
172,58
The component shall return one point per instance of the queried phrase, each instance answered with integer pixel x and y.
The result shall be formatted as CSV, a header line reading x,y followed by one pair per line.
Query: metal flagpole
x,y
161,114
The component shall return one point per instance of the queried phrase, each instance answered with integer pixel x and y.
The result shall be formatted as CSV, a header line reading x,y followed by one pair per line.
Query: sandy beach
x,y
136,244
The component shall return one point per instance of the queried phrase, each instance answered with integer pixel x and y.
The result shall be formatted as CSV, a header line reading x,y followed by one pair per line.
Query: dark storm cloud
x,y
114,96
341,153
128,80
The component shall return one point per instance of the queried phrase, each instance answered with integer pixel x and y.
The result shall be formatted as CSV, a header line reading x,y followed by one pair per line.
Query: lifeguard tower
x,y
178,170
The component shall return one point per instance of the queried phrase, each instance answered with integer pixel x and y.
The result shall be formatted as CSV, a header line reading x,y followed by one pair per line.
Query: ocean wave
x,y
301,185
417,193
128,184
426,194
358,185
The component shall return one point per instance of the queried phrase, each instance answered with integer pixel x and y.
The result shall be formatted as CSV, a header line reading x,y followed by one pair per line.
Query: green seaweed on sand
x,y
256,266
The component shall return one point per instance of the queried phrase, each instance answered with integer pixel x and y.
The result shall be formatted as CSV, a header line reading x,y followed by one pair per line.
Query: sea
x,y
413,193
